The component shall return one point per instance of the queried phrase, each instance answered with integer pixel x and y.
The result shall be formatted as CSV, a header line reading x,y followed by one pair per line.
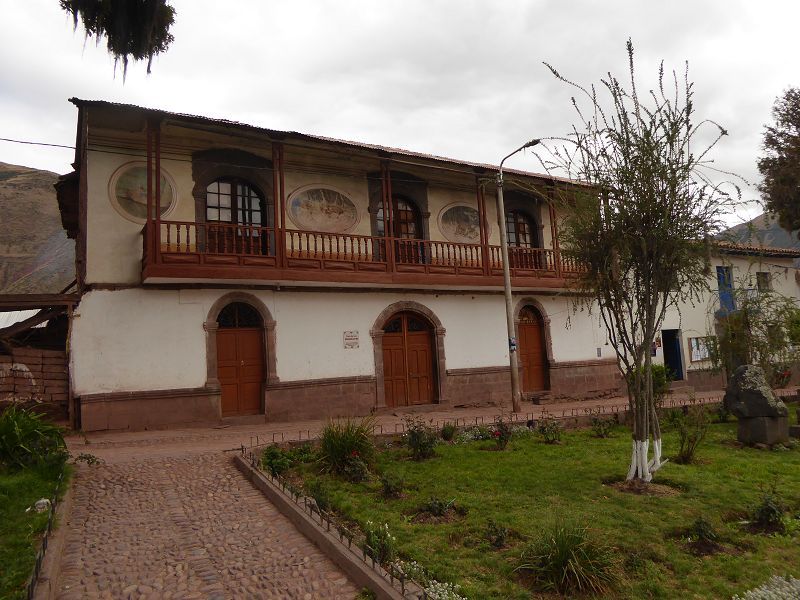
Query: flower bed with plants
x,y
32,458
539,513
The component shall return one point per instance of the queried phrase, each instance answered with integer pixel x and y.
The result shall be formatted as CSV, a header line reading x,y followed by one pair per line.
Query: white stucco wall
x,y
696,319
114,243
140,339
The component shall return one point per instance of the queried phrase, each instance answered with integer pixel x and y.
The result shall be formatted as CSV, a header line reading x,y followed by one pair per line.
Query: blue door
x,y
671,339
727,302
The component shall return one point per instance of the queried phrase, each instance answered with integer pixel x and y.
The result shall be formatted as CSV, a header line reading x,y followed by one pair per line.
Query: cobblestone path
x,y
185,527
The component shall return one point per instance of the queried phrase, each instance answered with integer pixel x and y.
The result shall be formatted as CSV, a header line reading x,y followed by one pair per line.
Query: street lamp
x,y
512,342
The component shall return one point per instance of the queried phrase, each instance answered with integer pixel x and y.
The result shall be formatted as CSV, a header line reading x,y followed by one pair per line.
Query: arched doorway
x,y
408,360
532,350
240,359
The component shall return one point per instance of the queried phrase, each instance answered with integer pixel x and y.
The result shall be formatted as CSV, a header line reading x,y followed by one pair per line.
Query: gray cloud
x,y
461,78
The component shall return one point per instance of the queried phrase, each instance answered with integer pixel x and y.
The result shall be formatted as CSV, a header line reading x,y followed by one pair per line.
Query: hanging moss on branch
x,y
134,29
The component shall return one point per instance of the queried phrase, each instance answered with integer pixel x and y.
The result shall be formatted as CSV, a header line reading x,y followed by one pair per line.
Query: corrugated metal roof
x,y
279,135
9,318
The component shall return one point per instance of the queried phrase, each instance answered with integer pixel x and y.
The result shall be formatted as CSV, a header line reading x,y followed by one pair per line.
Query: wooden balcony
x,y
220,251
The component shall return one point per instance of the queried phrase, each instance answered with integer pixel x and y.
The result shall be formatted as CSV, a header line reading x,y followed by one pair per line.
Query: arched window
x,y
521,230
238,314
406,223
233,200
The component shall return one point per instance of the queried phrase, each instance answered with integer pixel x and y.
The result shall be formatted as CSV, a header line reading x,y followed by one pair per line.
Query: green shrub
x,y
662,377
437,506
343,443
550,429
392,485
568,560
702,531
601,428
420,438
497,534
27,439
502,433
769,513
691,424
448,432
723,414
275,460
379,543
355,470
321,493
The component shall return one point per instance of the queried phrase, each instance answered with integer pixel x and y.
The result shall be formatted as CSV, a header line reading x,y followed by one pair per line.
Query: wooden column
x,y
148,225
282,206
554,233
157,207
388,214
484,234
277,172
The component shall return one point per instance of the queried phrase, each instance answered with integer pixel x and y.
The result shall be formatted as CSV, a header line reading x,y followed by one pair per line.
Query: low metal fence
x,y
37,568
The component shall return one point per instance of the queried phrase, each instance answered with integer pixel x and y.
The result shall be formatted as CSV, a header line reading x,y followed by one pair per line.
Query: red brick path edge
x,y
354,565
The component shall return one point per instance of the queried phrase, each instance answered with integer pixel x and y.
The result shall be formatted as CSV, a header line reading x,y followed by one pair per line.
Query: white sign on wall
x,y
350,339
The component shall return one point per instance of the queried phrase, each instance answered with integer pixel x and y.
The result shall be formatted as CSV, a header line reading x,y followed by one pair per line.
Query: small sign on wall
x,y
350,339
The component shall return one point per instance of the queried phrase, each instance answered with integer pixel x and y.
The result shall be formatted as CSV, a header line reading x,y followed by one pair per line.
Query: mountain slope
x,y
762,231
36,257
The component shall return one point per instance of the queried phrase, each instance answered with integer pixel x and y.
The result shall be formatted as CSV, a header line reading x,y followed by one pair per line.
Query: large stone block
x,y
749,395
764,430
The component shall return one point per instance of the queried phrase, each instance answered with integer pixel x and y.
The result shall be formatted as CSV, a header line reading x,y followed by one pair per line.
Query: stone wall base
x,y
586,379
156,409
320,398
764,430
481,386
705,380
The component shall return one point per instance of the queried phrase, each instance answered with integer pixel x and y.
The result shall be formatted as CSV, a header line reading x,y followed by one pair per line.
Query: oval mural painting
x,y
129,192
323,209
461,224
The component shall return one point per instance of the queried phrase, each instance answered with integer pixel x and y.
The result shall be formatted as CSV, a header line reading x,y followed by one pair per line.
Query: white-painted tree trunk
x,y
641,467
638,469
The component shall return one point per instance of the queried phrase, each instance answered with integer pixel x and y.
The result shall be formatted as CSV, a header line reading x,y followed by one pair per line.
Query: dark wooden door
x,y
240,370
532,353
408,370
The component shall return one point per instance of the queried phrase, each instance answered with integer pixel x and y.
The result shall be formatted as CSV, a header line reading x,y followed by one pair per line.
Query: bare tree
x,y
642,224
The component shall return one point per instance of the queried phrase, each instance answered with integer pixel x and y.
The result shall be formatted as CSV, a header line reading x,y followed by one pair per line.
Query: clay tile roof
x,y
753,250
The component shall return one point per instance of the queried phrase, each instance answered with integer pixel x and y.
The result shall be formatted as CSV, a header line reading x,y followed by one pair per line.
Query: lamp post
x,y
512,342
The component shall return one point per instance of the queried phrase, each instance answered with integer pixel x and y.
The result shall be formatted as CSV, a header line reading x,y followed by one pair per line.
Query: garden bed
x,y
21,532
532,485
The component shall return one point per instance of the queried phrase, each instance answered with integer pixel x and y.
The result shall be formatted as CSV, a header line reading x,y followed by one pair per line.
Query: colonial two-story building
x,y
227,270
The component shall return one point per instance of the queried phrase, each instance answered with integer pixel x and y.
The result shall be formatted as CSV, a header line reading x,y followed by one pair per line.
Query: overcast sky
x,y
458,78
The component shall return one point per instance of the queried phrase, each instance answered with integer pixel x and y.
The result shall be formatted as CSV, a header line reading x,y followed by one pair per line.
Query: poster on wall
x,y
129,191
461,224
698,349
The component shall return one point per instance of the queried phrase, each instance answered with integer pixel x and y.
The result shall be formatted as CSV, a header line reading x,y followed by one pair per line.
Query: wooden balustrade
x,y
335,246
429,252
215,243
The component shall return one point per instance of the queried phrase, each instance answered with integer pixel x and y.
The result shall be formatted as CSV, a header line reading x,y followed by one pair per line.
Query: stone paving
x,y
185,527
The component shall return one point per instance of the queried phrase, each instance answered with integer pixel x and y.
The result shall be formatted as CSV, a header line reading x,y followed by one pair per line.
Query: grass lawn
x,y
532,484
20,532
